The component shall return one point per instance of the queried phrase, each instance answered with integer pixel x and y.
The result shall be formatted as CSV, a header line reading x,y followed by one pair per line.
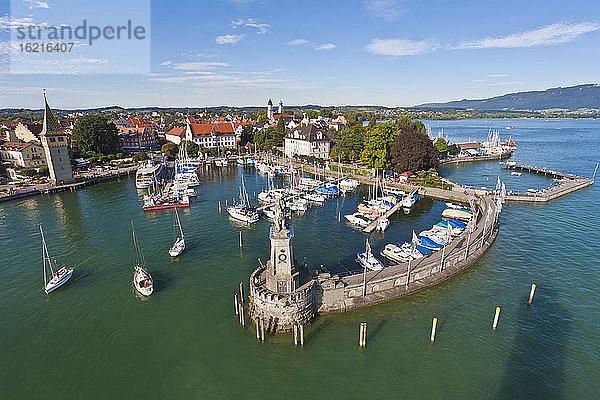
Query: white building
x,y
307,140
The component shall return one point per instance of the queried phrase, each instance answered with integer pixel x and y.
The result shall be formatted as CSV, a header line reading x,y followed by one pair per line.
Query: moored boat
x,y
367,260
179,245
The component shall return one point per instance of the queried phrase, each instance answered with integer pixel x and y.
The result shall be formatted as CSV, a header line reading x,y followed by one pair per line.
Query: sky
x,y
353,52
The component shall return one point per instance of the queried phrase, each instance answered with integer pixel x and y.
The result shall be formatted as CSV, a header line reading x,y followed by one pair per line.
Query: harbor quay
x,y
284,295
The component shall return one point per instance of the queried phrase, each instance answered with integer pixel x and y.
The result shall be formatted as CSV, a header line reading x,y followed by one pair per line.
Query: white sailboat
x,y
142,281
59,277
179,245
242,210
367,260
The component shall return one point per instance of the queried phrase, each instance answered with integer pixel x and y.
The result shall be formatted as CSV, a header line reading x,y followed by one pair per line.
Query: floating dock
x,y
373,225
568,183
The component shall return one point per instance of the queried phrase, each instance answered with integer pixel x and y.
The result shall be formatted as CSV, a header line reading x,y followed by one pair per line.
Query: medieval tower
x,y
56,148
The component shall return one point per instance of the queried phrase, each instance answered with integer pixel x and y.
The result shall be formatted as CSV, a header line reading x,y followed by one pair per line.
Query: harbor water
x,y
95,338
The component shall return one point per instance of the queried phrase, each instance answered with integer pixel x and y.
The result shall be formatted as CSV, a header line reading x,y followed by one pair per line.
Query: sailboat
x,y
142,281
242,210
59,277
179,245
367,260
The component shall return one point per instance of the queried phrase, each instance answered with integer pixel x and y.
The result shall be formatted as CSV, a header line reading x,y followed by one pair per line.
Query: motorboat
x,y
148,174
383,224
459,214
357,219
395,253
58,277
349,184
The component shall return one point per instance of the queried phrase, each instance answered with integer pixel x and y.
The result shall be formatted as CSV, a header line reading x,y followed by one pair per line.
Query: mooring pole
x,y
295,335
302,335
257,328
235,302
434,325
242,292
262,329
495,324
531,294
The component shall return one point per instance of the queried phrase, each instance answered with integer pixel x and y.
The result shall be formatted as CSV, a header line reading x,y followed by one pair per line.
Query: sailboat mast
x,y
135,252
43,254
178,222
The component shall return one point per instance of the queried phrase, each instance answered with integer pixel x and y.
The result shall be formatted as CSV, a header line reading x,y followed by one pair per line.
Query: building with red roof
x,y
30,154
135,139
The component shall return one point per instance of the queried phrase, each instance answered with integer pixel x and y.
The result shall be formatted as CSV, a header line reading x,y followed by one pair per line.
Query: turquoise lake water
x,y
95,338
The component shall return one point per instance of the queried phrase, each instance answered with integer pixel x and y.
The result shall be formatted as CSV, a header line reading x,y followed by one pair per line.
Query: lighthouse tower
x,y
282,275
280,109
56,148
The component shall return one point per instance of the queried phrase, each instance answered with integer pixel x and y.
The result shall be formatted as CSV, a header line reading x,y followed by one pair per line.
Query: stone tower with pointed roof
x,y
56,147
270,110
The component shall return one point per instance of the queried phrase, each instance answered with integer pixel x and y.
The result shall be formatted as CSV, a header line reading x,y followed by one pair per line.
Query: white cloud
x,y
325,46
7,22
388,10
400,47
251,23
297,42
200,65
506,83
228,39
166,62
545,36
37,4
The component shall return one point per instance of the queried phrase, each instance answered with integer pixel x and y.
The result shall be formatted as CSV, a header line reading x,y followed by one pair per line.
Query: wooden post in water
x,y
262,329
242,292
219,205
295,335
495,324
531,294
433,329
302,335
225,203
240,239
362,337
257,328
235,302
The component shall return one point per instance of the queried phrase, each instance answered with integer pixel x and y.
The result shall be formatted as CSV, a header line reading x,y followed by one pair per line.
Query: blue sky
x,y
384,52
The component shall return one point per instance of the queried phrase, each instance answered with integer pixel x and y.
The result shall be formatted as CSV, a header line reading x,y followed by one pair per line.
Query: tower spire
x,y
51,125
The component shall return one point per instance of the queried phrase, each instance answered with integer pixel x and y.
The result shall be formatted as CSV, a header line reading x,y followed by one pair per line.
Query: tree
x,y
441,145
192,148
44,171
325,113
247,135
170,149
95,133
261,117
413,151
29,172
140,157
454,149
312,114
376,152
350,141
372,123
280,126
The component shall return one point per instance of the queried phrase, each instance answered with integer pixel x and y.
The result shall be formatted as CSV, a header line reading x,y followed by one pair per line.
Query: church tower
x,y
280,110
282,276
270,110
56,148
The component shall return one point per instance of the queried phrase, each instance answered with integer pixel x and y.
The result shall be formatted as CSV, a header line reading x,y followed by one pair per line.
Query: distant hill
x,y
571,98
